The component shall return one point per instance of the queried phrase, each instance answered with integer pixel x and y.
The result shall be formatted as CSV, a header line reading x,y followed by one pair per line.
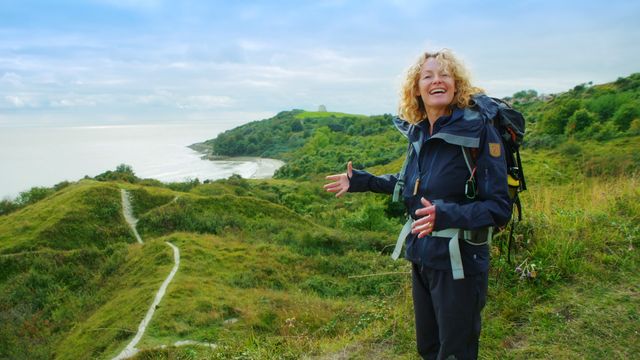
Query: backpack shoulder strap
x,y
469,159
397,190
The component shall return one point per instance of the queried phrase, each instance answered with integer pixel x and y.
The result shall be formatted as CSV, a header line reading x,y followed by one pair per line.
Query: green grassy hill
x,y
87,215
248,258
280,269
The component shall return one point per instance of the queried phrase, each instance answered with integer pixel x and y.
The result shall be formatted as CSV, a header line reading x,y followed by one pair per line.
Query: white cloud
x,y
16,101
19,101
75,101
205,102
11,78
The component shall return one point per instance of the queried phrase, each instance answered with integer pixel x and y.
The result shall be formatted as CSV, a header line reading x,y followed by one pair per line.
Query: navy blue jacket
x,y
438,161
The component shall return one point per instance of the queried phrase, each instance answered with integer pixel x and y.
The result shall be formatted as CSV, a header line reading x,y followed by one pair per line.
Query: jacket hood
x,y
463,127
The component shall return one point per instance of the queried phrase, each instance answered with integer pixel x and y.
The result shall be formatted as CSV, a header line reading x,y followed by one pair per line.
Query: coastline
x,y
265,167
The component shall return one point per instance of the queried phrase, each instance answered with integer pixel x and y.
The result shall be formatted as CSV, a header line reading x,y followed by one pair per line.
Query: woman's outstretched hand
x,y
427,218
340,183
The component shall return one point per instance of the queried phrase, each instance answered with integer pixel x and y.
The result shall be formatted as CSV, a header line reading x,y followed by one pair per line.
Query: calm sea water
x,y
45,156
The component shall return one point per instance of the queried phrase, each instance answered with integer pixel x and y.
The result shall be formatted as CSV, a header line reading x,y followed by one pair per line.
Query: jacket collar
x,y
463,127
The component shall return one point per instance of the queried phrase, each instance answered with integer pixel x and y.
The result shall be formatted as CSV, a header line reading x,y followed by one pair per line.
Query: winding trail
x,y
130,350
128,213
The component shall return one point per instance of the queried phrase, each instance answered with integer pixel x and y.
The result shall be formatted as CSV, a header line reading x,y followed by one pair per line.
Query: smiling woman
x,y
443,117
444,70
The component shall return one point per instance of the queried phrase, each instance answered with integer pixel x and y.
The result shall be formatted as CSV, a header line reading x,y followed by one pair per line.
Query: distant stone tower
x,y
322,108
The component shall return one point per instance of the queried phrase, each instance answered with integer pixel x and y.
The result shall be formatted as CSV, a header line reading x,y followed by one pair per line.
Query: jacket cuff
x,y
359,182
443,214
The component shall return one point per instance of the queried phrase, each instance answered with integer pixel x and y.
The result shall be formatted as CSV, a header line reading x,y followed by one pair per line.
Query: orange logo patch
x,y
494,149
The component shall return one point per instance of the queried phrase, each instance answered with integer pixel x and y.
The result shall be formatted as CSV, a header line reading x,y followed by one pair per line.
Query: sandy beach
x,y
264,167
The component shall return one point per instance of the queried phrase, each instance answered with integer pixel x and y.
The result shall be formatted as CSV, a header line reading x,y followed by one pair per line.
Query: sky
x,y
104,62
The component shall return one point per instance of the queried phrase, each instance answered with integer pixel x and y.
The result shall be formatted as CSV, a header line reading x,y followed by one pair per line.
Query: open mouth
x,y
437,91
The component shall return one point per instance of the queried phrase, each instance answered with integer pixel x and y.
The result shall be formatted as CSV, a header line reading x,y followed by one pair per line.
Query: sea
x,y
45,156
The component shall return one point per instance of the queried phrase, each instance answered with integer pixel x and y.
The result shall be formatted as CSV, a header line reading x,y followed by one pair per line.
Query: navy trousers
x,y
447,313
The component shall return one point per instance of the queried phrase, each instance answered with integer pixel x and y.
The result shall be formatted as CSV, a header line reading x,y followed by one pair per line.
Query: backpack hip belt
x,y
473,237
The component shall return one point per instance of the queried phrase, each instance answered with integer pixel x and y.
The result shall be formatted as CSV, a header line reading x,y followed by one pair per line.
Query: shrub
x,y
625,115
33,195
7,206
570,149
371,216
543,141
579,121
122,172
61,185
555,120
634,127
602,132
184,186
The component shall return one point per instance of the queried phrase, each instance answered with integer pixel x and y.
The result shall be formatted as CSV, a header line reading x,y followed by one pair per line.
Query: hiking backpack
x,y
511,128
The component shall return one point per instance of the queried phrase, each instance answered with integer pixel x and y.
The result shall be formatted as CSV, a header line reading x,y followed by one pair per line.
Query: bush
x,y
33,195
602,132
579,121
61,185
634,127
8,206
185,186
555,120
625,115
570,149
370,216
122,173
543,141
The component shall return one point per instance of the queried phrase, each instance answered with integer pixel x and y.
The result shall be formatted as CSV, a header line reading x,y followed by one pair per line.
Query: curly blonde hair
x,y
411,106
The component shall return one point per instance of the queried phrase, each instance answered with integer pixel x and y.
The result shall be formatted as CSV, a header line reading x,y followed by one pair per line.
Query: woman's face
x,y
436,84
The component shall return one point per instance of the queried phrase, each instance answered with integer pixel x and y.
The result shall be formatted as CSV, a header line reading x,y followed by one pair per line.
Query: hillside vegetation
x,y
599,112
280,269
313,143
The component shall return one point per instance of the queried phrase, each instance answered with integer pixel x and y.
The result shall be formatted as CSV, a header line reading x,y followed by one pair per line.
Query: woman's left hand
x,y
427,218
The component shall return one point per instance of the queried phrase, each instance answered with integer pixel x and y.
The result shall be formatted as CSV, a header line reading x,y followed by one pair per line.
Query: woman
x,y
455,180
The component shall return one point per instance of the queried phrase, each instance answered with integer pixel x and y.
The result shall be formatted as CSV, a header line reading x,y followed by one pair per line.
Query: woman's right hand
x,y
341,182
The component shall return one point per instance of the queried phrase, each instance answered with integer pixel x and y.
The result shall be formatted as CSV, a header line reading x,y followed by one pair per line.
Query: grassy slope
x,y
56,254
581,232
584,247
85,215
128,293
264,253
246,272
